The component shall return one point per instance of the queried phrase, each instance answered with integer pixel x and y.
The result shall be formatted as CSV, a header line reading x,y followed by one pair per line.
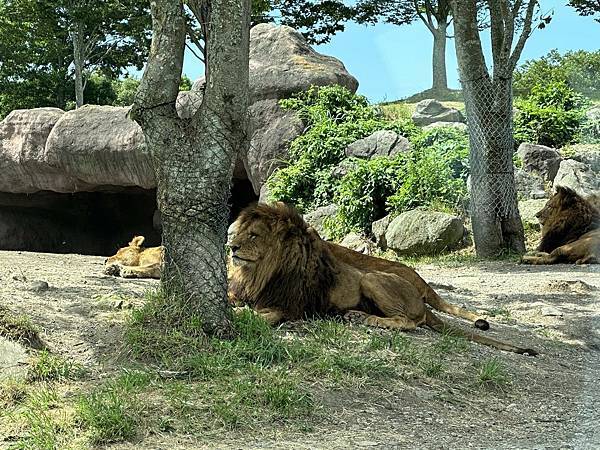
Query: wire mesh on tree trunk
x,y
489,115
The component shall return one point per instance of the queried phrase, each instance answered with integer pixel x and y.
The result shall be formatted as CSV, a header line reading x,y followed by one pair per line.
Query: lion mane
x,y
570,229
283,270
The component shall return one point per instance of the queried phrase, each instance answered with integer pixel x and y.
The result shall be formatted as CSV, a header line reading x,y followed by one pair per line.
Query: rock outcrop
x,y
431,111
540,159
421,232
380,143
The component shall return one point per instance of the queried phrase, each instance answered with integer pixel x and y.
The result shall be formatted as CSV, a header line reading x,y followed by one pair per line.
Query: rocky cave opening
x,y
91,223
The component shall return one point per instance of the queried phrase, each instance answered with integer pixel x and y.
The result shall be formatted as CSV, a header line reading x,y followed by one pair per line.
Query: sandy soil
x,y
553,402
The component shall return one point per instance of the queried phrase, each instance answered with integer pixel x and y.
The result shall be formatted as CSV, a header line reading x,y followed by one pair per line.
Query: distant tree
x,y
435,14
193,158
587,7
496,222
49,48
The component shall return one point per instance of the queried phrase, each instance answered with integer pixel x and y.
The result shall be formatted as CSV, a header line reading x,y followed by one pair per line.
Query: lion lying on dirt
x,y
135,261
570,230
285,271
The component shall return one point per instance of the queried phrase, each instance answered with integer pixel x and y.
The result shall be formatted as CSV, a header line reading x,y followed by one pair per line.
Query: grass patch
x,y
491,373
50,367
110,414
12,392
19,328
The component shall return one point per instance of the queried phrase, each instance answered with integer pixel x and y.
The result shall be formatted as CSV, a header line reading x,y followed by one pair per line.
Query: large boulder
x,y
317,217
529,185
421,232
282,63
540,159
430,111
380,143
273,128
24,166
358,243
528,209
379,228
577,176
100,146
588,154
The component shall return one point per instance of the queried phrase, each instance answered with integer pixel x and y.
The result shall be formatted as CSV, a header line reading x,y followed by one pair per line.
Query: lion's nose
x,y
234,248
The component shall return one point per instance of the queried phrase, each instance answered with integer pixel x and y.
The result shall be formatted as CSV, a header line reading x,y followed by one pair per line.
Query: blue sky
x,y
391,62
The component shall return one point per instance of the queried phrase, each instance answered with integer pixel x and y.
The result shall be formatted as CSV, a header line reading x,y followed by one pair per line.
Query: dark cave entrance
x,y
92,223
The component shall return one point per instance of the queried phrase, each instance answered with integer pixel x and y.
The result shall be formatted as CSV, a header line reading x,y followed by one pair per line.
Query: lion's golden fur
x,y
135,261
570,229
285,271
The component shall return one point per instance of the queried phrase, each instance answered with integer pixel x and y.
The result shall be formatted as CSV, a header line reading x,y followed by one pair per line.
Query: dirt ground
x,y
553,400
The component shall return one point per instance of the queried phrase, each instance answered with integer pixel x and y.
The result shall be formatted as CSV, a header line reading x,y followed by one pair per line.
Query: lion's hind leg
x,y
396,323
399,302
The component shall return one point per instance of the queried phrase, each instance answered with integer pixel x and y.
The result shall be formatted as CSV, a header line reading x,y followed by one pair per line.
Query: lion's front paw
x,y
112,269
357,317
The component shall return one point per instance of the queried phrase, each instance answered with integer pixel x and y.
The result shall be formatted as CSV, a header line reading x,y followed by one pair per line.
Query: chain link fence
x,y
489,117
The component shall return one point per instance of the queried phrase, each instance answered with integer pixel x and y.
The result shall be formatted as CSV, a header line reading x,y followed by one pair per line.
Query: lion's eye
x,y
253,236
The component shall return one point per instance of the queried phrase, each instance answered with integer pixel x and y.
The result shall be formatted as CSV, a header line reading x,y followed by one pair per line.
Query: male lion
x,y
285,271
135,261
570,230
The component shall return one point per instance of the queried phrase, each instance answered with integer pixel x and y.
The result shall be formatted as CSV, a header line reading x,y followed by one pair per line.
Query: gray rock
x,y
421,232
528,209
380,143
282,63
540,159
38,286
458,125
577,176
379,228
358,243
316,218
529,184
588,154
272,130
99,146
24,166
13,360
430,111
550,311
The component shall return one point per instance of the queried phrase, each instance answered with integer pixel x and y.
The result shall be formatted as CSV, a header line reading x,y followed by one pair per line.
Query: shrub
x,y
578,69
335,118
550,116
432,175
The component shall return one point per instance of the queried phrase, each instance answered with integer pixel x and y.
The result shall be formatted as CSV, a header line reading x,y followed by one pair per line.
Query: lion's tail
x,y
440,304
435,323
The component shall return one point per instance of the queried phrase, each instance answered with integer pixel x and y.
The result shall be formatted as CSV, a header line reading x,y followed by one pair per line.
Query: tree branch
x,y
160,82
525,33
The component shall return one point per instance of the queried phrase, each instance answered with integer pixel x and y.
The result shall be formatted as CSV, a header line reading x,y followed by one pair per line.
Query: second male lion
x,y
570,230
285,271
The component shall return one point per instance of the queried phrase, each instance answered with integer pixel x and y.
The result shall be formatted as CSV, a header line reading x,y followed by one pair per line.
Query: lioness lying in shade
x,y
135,261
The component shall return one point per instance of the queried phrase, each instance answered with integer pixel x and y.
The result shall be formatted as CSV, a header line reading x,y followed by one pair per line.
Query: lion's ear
x,y
137,241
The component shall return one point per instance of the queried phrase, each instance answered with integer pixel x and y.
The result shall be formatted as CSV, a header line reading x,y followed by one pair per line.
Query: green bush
x,y
432,175
551,115
335,118
578,69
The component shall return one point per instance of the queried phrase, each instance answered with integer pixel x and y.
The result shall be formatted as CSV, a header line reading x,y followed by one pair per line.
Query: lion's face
x,y
130,255
550,209
249,241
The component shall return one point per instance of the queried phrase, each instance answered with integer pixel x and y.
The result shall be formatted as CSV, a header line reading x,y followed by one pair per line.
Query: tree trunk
x,y
78,62
194,158
440,80
496,221
495,216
